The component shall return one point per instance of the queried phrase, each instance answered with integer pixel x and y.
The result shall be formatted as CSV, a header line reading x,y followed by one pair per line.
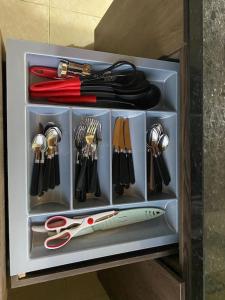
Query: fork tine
x,y
93,127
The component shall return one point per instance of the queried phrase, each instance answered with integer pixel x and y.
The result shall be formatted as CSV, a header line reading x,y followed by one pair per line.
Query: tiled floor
x,y
62,22
82,287
68,22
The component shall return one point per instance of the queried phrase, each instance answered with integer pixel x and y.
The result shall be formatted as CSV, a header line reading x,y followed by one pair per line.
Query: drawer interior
x,y
27,251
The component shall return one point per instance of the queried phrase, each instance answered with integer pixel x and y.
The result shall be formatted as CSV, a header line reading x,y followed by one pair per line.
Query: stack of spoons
x,y
157,172
46,173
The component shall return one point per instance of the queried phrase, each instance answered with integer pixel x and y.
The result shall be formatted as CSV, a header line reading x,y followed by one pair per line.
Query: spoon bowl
x,y
158,127
154,136
163,142
39,143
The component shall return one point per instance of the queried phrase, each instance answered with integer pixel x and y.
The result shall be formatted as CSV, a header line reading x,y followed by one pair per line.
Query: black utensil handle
x,y
40,179
94,176
148,160
82,194
131,168
57,170
77,173
80,191
119,189
34,179
89,175
52,174
124,171
158,178
115,168
98,192
151,175
163,169
81,178
47,173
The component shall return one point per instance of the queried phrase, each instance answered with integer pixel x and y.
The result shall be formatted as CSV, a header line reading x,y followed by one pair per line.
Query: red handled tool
x,y
121,88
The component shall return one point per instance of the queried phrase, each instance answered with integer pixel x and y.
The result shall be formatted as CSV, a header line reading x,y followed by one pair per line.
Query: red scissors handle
x,y
45,72
59,240
60,222
56,222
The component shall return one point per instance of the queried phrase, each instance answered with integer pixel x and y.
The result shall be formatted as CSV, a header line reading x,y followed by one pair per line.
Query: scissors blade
x,y
106,216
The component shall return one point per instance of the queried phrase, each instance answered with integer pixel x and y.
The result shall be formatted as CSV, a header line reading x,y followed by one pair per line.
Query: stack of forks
x,y
87,136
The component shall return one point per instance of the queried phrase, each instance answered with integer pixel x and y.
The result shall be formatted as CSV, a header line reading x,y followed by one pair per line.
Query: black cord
x,y
106,72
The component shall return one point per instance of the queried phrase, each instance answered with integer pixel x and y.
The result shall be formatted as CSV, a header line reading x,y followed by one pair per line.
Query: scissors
x,y
68,228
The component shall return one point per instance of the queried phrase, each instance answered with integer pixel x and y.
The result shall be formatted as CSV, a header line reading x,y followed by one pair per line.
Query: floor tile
x,y
89,7
72,29
23,20
72,288
40,2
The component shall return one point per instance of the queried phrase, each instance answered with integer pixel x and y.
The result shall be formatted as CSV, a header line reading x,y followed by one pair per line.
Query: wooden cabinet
x,y
3,288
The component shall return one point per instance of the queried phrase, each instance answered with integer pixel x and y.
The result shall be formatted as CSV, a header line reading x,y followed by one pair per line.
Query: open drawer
x,y
27,251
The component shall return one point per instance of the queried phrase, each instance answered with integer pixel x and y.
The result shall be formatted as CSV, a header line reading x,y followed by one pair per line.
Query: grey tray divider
x,y
110,154
71,157
145,158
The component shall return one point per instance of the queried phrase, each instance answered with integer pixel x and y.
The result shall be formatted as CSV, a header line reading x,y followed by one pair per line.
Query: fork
x,y
89,138
79,144
90,135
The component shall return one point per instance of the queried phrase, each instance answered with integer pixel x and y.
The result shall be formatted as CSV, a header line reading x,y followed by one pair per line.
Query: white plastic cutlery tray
x,y
27,252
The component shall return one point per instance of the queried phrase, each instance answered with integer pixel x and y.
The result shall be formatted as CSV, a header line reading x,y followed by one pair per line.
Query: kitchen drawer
x,y
142,280
27,253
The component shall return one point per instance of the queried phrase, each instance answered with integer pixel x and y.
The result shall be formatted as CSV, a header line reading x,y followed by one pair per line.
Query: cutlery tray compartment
x,y
59,197
95,245
27,252
160,74
168,120
103,153
137,123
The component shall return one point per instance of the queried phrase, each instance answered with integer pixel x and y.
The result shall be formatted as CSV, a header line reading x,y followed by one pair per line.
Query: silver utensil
x,y
38,146
86,138
51,176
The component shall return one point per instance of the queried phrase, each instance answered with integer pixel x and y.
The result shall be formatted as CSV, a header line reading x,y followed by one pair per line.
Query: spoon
x,y
56,156
155,169
154,138
162,145
155,181
49,171
55,172
159,128
163,142
44,148
38,145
